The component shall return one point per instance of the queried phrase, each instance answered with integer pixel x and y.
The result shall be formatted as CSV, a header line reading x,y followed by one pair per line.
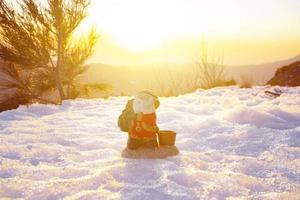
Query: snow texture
x,y
234,144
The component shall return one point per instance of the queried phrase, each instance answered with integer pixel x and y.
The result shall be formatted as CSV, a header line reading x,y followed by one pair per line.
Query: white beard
x,y
143,105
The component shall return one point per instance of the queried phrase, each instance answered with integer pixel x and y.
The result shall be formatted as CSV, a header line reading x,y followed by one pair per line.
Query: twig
x,y
273,93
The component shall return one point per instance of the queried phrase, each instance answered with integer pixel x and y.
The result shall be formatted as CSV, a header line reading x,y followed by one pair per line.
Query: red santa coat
x,y
138,131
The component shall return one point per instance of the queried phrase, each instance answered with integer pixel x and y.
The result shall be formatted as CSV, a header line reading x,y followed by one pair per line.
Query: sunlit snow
x,y
234,143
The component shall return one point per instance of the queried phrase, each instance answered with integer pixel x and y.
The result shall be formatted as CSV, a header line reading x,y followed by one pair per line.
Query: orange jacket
x,y
144,126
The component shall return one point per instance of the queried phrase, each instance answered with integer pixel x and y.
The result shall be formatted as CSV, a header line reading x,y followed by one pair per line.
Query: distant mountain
x,y
125,80
129,79
260,73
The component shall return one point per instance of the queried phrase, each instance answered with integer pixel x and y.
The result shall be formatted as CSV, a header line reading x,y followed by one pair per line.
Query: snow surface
x,y
234,144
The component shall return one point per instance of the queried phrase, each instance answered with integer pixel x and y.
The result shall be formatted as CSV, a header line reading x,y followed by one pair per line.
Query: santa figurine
x,y
143,128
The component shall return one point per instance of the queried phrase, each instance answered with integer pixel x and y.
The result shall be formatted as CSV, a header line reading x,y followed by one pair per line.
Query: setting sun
x,y
135,25
139,26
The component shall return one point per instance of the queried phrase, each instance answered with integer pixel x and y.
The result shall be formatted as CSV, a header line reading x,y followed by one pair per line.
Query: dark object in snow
x,y
126,116
159,152
287,76
273,94
166,138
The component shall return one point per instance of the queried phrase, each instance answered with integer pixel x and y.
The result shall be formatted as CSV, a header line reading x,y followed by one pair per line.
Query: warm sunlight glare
x,y
234,26
142,25
135,25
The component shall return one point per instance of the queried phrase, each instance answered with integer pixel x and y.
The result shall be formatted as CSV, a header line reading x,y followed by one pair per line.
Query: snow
x,y
234,144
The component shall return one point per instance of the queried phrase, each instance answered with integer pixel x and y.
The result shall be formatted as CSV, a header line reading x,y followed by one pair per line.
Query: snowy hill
x,y
234,143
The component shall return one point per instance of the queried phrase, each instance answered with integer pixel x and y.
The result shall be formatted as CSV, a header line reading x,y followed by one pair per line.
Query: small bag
x,y
126,116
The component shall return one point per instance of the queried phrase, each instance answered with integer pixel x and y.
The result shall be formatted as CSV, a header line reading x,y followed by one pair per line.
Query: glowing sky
x,y
244,31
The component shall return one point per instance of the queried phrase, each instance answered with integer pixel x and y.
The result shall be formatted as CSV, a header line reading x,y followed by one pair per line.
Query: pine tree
x,y
39,39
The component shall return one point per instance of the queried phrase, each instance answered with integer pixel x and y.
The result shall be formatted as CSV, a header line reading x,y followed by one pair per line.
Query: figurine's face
x,y
143,103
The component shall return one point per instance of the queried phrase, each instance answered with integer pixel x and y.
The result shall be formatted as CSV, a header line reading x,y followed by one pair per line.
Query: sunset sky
x,y
242,31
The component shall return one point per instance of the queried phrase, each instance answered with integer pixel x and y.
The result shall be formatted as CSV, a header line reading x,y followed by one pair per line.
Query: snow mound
x,y
234,144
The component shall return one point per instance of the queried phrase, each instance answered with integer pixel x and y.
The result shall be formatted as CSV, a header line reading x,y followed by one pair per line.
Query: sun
x,y
134,25
148,26
136,36
142,25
